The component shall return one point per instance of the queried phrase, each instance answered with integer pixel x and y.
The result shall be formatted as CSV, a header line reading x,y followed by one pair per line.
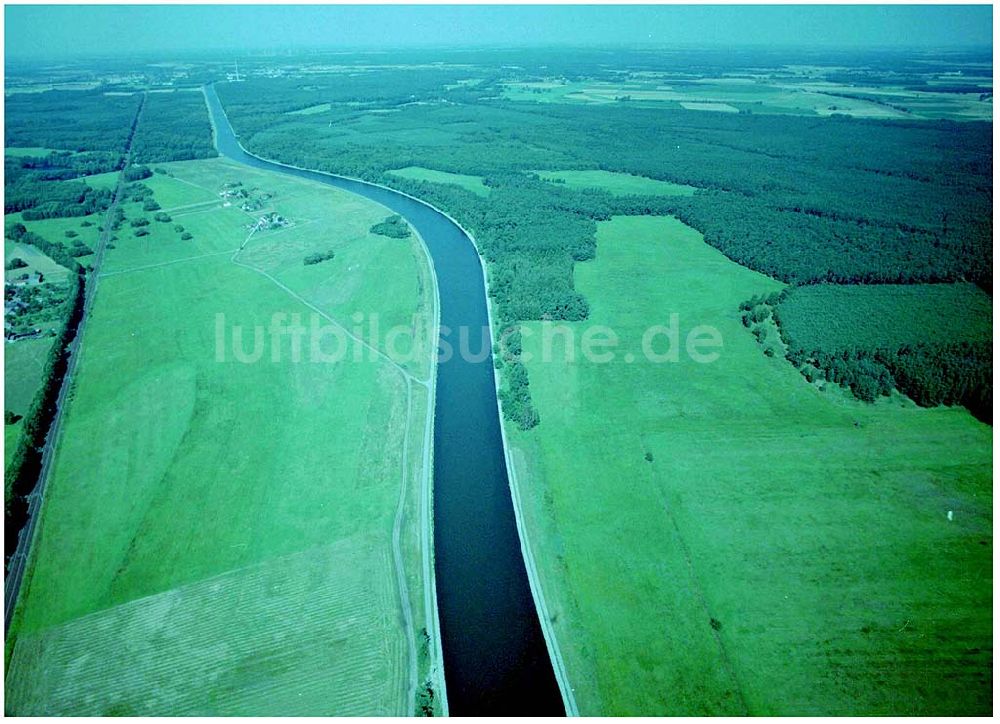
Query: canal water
x,y
495,658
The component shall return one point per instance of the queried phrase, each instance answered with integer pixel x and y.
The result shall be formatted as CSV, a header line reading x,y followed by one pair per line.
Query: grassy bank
x,y
217,534
724,538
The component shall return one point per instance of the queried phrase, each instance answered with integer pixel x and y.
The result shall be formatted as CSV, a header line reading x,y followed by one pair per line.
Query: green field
x,y
102,180
469,183
311,110
54,230
618,184
723,538
29,151
23,367
709,106
35,259
11,437
177,194
833,317
217,535
24,362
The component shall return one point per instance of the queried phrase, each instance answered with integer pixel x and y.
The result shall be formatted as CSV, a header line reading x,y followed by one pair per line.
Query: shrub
x,y
318,257
515,397
137,173
394,227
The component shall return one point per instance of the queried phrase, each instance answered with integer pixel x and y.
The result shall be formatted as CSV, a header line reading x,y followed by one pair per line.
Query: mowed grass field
x,y
217,535
311,110
723,538
24,363
23,368
618,184
469,183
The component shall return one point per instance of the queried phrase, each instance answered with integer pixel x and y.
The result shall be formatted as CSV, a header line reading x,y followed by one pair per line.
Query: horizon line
x,y
264,51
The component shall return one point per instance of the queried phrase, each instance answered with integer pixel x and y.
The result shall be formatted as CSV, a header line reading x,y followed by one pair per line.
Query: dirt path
x,y
166,263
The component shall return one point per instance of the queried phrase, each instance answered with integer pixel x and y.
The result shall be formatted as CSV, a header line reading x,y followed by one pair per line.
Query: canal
x,y
495,658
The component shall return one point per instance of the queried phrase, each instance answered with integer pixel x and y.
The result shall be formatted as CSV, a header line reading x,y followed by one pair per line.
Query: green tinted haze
x,y
87,30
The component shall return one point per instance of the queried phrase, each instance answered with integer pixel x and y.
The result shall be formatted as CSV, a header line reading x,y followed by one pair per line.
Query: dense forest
x,y
85,132
40,199
175,127
832,316
803,199
69,120
393,226
63,165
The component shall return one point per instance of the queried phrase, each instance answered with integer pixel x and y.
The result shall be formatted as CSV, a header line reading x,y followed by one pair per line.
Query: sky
x,y
87,30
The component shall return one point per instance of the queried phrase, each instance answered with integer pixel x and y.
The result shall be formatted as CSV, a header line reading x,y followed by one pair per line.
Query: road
x,y
18,563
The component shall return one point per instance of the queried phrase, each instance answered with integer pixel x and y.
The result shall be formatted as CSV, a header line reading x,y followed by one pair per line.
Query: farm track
x,y
214,203
144,267
302,300
19,560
